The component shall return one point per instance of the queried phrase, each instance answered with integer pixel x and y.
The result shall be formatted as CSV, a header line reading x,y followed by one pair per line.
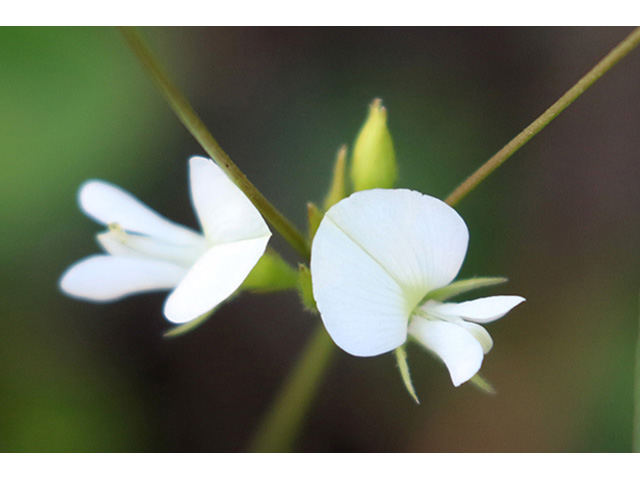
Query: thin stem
x,y
283,421
635,444
190,119
619,52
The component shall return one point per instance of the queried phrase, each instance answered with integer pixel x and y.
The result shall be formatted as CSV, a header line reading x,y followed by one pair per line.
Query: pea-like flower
x,y
146,252
382,261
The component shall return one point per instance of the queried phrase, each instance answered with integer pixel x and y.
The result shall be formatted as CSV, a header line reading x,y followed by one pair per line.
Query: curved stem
x,y
619,52
190,119
282,423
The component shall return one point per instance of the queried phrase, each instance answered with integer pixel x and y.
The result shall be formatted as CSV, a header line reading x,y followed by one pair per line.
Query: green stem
x,y
190,119
619,52
635,444
283,421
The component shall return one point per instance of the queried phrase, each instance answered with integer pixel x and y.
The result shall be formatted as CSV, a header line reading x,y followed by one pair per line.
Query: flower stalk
x,y
190,119
603,66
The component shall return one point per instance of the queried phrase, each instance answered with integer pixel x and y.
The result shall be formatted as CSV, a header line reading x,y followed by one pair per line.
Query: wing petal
x,y
213,278
103,278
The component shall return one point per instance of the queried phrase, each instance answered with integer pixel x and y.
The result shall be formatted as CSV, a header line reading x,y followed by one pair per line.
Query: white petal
x,y
111,243
480,334
362,307
458,349
134,245
215,276
225,213
482,310
374,257
419,240
103,278
107,203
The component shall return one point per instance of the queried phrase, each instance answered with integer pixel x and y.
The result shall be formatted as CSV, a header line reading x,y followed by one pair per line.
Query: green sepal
x,y
271,274
305,288
314,215
403,366
461,286
187,327
482,384
338,189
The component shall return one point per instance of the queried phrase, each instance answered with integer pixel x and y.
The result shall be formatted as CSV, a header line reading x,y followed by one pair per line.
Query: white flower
x,y
376,258
146,252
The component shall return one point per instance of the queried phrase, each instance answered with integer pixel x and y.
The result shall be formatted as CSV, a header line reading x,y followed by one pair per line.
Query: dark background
x,y
560,219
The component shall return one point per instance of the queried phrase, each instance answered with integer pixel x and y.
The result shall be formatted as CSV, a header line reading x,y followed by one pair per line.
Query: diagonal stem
x,y
603,66
190,119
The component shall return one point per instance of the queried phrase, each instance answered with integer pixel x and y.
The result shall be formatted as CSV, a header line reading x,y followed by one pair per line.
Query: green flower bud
x,y
374,159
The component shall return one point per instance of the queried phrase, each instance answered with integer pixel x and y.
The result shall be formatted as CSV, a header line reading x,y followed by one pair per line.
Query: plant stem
x,y
282,423
619,52
190,119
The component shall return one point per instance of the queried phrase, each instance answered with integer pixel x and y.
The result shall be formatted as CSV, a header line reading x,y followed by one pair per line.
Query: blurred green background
x,y
560,219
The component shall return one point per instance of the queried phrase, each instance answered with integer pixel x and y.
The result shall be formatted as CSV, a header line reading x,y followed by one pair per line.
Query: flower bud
x,y
374,159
